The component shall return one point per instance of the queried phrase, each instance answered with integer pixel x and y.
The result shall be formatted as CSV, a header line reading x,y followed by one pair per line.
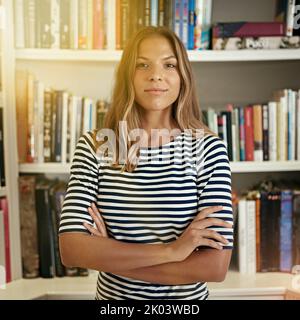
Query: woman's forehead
x,y
155,45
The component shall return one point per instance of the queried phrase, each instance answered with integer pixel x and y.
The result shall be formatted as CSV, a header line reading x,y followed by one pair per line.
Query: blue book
x,y
242,134
286,235
191,27
154,13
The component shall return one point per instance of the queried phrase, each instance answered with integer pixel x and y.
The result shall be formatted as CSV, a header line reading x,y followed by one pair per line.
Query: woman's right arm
x,y
109,255
79,249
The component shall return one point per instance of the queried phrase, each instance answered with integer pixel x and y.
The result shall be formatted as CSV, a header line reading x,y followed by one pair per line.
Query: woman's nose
x,y
155,75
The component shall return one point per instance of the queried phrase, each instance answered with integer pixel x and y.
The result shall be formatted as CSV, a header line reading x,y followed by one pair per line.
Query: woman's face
x,y
156,78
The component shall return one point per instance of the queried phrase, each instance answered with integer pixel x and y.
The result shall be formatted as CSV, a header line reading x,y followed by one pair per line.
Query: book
x,y
28,224
256,43
248,29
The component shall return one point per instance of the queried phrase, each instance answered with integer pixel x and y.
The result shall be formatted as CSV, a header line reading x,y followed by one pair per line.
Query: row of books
x,y
40,207
2,166
50,122
260,132
5,264
84,24
283,33
267,233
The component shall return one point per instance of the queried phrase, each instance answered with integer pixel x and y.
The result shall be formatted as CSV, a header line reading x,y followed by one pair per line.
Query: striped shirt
x,y
153,204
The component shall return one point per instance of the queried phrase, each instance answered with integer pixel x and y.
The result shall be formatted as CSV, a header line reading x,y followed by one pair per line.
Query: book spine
x,y
111,24
255,43
191,27
55,24
258,133
249,136
154,12
98,24
2,164
65,20
286,253
272,106
265,133
74,23
185,22
4,207
242,135
290,17
19,24
248,29
242,236
251,238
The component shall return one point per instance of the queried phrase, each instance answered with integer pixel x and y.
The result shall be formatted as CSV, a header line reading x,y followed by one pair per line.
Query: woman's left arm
x,y
203,265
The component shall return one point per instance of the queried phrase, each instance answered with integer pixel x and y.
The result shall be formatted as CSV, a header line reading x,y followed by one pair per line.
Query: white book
x,y
87,115
64,136
242,235
290,17
55,24
282,118
19,24
94,115
291,124
110,6
74,24
251,237
272,105
31,20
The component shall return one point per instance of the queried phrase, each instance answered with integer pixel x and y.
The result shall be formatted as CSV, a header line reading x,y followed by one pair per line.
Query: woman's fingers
x,y
205,212
98,219
92,230
211,234
205,223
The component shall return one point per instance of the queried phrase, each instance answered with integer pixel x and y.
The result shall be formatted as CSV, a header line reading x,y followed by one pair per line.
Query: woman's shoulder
x,y
87,141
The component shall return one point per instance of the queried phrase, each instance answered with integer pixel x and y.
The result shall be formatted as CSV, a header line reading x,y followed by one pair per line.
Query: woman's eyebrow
x,y
166,58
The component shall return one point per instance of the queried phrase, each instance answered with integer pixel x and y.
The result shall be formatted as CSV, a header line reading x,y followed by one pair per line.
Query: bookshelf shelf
x,y
195,56
236,167
2,192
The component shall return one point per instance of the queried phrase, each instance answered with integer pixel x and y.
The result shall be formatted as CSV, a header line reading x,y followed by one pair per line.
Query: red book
x,y
249,134
248,29
98,24
4,208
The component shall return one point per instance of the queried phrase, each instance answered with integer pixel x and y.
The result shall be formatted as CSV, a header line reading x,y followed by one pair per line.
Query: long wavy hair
x,y
185,110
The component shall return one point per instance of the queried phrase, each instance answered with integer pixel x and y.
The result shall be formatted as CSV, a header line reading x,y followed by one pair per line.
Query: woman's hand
x,y
197,234
100,231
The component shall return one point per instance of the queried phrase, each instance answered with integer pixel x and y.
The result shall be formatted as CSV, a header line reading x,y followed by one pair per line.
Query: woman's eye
x,y
142,65
171,65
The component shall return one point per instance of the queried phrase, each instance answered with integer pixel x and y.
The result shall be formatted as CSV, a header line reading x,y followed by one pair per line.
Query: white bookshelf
x,y
194,56
89,72
236,167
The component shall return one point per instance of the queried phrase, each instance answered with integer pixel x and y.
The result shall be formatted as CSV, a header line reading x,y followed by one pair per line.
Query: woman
x,y
163,217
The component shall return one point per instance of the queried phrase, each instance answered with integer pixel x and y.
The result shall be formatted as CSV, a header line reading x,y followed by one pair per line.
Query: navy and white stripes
x,y
153,204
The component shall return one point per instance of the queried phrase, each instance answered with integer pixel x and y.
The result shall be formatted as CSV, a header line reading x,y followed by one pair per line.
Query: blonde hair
x,y
185,110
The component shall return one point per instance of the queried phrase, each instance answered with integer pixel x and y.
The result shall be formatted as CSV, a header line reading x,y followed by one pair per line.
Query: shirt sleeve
x,y
82,188
214,184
